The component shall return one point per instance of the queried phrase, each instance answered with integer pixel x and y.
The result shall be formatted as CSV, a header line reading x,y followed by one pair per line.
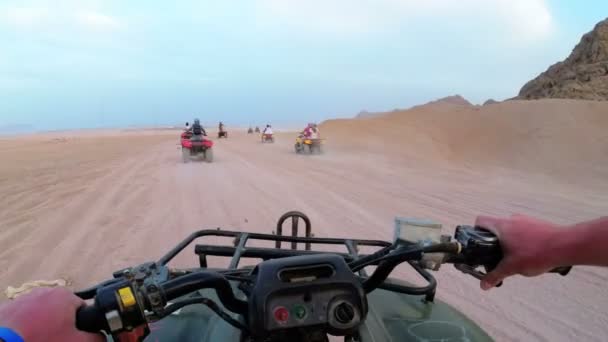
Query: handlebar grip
x,y
90,319
564,270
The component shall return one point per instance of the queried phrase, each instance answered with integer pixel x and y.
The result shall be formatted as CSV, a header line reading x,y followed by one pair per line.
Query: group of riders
x,y
311,131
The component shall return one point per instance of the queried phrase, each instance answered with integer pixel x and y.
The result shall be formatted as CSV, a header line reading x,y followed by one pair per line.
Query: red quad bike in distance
x,y
267,138
201,150
295,294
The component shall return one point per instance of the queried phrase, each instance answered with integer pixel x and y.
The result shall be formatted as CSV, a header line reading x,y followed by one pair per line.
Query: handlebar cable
x,y
388,262
356,265
211,305
90,292
205,279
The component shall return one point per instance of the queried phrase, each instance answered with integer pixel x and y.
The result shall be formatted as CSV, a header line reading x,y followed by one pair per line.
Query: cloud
x,y
97,21
528,18
57,18
318,16
24,17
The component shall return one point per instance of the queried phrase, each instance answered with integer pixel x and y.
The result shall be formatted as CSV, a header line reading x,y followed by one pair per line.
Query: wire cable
x,y
210,304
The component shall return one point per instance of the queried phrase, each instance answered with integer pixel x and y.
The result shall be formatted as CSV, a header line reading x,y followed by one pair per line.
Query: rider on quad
x,y
315,132
267,134
267,130
305,133
221,127
311,131
197,131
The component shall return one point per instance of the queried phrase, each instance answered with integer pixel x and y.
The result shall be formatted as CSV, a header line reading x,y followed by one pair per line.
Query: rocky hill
x,y
583,75
454,100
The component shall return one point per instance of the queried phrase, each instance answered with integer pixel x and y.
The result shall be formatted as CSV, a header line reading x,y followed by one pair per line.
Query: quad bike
x,y
250,130
296,295
196,149
257,129
222,134
267,138
311,146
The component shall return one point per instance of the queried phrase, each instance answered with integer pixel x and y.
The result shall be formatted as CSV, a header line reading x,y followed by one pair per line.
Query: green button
x,y
299,311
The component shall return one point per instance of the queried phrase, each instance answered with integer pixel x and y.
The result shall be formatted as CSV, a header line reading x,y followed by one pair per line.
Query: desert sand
x,y
82,205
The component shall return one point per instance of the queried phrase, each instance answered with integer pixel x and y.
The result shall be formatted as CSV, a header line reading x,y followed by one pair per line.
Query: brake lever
x,y
466,269
137,335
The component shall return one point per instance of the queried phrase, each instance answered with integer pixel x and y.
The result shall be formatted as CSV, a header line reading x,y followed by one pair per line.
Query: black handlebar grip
x,y
564,270
90,319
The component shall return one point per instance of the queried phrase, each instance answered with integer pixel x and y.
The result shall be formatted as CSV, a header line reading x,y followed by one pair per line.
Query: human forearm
x,y
532,247
45,314
584,243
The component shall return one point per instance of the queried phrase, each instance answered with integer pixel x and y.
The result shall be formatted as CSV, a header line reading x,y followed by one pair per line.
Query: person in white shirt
x,y
267,130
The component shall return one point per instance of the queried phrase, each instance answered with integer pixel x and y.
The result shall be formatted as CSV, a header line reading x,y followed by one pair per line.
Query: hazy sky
x,y
81,63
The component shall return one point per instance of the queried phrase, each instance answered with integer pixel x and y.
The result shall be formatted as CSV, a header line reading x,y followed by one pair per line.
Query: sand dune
x,y
560,138
81,206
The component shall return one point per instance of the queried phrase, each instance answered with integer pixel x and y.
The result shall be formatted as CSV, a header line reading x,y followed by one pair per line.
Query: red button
x,y
281,315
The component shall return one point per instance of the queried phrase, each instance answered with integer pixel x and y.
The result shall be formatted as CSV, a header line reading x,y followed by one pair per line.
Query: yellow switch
x,y
126,297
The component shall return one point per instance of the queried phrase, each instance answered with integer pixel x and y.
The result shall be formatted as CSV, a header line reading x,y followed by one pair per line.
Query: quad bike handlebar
x,y
151,291
154,297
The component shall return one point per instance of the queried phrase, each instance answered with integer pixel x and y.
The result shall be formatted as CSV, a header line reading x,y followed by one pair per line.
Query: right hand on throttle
x,y
524,242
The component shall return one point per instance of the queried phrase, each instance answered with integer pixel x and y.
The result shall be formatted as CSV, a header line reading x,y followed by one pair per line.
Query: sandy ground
x,y
82,206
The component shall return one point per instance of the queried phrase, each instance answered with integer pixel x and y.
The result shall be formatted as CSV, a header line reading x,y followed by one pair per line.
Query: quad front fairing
x,y
392,317
303,290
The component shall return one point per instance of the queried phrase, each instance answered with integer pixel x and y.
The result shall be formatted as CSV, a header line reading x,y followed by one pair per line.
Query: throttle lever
x,y
563,270
466,269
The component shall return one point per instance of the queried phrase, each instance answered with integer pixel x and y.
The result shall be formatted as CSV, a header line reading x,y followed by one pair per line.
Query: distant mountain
x,y
583,75
456,100
490,102
364,114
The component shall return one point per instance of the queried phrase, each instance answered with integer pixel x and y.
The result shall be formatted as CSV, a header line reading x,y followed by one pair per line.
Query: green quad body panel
x,y
396,317
392,317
